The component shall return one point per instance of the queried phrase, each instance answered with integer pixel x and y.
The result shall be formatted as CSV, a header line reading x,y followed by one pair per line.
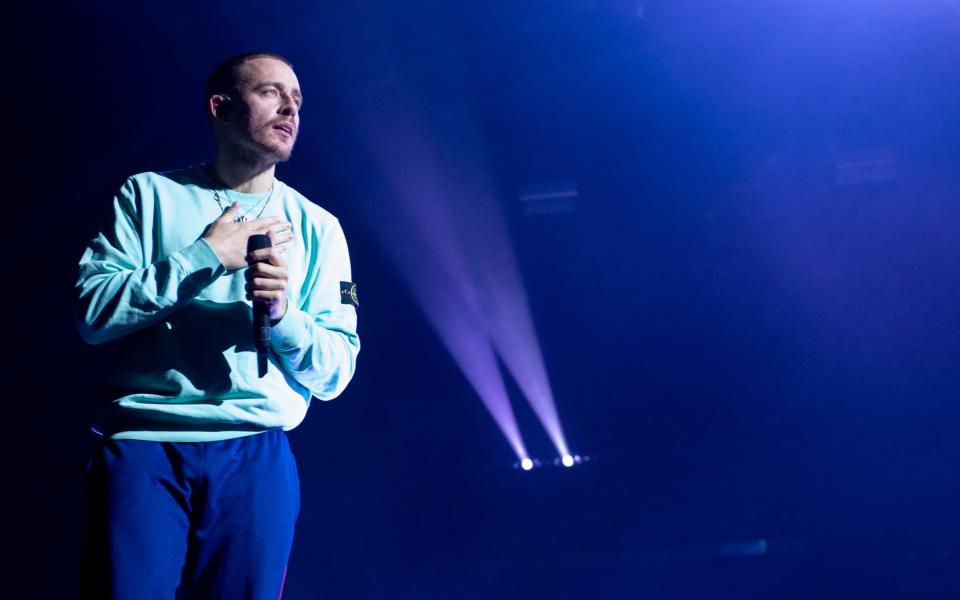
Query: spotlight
x,y
567,460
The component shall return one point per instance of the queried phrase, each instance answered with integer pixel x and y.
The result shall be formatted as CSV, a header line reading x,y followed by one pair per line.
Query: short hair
x,y
224,80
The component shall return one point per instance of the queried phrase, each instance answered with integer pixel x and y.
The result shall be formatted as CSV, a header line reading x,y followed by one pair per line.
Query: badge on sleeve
x,y
348,293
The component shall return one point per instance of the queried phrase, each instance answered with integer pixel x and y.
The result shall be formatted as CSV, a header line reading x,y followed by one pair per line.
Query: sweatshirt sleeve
x,y
117,292
317,343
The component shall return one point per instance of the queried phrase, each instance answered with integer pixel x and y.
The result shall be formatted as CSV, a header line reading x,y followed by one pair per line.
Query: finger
x,y
270,255
280,238
276,258
281,231
265,270
265,223
231,213
270,296
281,226
262,254
262,265
260,283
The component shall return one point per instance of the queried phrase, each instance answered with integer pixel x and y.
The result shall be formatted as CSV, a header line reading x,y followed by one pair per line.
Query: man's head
x,y
253,105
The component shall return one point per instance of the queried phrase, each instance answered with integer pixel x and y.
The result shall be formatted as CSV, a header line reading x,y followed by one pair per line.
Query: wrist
x,y
216,251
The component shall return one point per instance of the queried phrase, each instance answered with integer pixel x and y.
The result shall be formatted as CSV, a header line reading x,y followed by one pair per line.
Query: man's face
x,y
266,123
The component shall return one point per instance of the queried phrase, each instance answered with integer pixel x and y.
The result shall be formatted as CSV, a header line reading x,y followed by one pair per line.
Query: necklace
x,y
244,217
226,206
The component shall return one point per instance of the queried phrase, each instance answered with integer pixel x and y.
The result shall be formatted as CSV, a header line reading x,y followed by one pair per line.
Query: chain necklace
x,y
244,217
224,207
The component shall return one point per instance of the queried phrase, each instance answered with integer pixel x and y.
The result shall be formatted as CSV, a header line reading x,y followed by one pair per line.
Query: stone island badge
x,y
348,293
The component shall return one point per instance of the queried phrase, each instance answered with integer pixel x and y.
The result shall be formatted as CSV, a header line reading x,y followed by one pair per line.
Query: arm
x,y
317,343
118,293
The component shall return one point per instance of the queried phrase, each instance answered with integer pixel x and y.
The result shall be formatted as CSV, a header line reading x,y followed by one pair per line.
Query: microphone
x,y
261,316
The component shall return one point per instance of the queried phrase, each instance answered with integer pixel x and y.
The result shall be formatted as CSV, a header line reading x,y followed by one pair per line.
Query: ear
x,y
219,106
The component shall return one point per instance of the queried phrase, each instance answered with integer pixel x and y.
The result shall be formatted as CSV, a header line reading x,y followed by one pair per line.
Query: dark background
x,y
749,320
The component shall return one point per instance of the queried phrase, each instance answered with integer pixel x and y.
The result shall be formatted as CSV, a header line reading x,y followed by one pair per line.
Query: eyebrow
x,y
294,92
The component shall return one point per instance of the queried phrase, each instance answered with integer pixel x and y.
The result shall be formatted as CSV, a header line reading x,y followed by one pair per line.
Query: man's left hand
x,y
267,280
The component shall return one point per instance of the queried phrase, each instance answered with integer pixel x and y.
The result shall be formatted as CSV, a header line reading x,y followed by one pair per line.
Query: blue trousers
x,y
190,519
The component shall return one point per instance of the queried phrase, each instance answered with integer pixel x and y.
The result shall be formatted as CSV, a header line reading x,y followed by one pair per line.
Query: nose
x,y
288,106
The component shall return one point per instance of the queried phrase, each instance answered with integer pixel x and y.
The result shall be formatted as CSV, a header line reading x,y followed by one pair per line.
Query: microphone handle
x,y
261,317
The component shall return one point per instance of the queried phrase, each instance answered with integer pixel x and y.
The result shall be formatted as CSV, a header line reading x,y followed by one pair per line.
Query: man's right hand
x,y
229,239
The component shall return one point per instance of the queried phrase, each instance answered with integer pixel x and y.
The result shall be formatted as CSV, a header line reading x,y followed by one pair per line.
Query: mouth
x,y
286,128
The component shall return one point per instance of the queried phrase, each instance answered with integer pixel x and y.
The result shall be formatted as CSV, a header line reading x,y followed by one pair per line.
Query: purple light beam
x,y
445,232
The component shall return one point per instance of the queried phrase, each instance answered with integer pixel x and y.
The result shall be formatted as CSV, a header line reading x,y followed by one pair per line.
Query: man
x,y
192,490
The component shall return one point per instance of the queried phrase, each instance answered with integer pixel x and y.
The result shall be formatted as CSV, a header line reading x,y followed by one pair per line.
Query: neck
x,y
244,174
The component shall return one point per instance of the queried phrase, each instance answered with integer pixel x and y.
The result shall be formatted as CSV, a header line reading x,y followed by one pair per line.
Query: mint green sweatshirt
x,y
185,364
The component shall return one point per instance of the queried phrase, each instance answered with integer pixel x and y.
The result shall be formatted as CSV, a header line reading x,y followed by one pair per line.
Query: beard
x,y
260,145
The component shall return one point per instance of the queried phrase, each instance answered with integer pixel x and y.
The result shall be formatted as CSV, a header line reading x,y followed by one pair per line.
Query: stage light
x,y
445,231
565,461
